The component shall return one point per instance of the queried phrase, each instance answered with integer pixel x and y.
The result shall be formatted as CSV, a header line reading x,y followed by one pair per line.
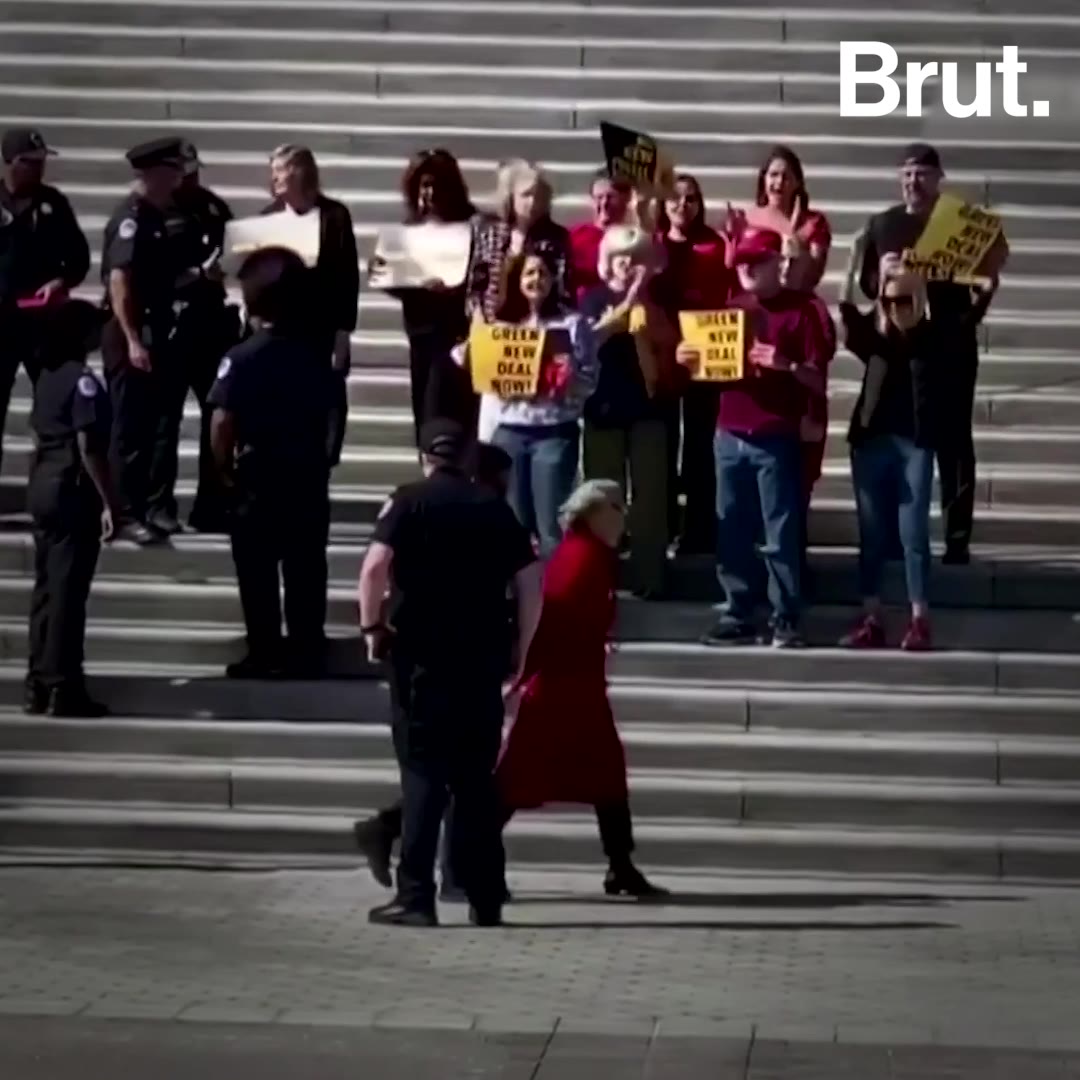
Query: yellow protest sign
x,y
721,337
955,242
505,360
636,157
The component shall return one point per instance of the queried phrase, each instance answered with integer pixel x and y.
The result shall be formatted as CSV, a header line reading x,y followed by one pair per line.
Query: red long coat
x,y
563,746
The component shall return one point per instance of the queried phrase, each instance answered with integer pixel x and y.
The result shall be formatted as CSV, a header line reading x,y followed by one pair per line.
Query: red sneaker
x,y
917,638
867,633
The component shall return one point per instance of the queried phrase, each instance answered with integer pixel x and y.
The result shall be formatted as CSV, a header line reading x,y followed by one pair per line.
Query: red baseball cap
x,y
758,246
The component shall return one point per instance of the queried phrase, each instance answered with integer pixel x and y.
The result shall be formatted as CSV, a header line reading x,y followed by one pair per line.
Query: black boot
x,y
625,879
396,914
35,697
376,842
75,702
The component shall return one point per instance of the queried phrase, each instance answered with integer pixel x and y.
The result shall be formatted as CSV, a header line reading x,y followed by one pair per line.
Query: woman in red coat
x,y
563,746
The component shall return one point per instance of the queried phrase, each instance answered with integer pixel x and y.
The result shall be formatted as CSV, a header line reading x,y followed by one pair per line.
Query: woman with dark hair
x,y
696,277
542,433
434,315
335,282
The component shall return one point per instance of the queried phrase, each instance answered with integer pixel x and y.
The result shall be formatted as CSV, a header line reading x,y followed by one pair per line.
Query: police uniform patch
x,y
127,229
224,367
88,386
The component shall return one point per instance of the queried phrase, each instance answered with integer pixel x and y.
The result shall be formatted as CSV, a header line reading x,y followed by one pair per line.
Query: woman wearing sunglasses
x,y
894,432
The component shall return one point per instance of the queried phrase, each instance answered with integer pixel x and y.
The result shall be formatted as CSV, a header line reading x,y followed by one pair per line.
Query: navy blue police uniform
x,y
282,402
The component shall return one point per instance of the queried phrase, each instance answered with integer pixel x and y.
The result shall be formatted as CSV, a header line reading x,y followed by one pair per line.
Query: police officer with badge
x,y
43,256
451,548
70,497
207,326
272,432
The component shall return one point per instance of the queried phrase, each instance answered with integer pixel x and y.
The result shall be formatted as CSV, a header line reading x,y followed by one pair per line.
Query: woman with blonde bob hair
x,y
563,745
895,429
626,436
521,225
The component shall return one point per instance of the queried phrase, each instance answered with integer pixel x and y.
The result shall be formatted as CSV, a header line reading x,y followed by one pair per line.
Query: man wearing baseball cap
x,y
759,454
43,255
959,307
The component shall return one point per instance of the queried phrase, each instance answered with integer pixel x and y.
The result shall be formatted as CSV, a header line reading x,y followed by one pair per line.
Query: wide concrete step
x,y
37,743
26,780
692,144
801,23
171,836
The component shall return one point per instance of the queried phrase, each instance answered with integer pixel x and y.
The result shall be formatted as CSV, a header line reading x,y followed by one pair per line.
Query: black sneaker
x,y
35,697
135,532
396,914
786,636
957,553
253,667
75,703
729,632
165,523
376,842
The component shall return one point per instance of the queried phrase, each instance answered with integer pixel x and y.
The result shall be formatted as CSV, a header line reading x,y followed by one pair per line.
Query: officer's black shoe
x,y
75,702
136,532
628,880
485,918
957,553
395,914
165,523
254,667
377,843
35,697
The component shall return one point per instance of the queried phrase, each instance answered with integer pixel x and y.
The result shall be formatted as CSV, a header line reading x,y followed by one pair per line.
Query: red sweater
x,y
584,259
774,402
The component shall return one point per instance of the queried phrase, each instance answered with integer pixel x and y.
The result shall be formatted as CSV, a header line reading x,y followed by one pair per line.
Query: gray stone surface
x,y
763,963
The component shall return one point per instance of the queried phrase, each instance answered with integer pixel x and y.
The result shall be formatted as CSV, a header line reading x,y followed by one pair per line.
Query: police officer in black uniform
x,y
451,548
207,327
43,255
147,247
272,429
70,497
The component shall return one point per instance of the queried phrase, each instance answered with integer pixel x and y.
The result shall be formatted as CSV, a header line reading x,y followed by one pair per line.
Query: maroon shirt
x,y
774,402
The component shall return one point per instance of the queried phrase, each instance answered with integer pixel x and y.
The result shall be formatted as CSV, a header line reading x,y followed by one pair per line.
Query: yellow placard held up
x,y
505,360
955,242
721,337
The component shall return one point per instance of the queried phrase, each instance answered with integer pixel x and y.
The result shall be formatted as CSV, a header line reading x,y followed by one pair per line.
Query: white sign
x,y
981,102
408,256
297,232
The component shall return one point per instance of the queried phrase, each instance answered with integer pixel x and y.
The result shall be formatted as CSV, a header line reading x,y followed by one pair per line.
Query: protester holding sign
x,y
953,304
895,428
758,450
695,277
434,314
522,224
536,366
625,419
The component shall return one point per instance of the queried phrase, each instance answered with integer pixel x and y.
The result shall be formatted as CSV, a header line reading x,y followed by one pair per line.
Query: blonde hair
x,y
515,173
292,155
624,240
910,284
586,498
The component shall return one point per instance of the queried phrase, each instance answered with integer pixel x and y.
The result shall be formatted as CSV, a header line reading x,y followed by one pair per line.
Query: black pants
x,y
147,407
698,466
956,454
281,538
390,822
204,336
67,539
440,390
616,831
447,734
19,345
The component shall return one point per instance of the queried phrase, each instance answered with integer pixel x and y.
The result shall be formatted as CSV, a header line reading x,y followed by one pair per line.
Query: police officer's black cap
x,y
166,151
921,154
444,439
23,142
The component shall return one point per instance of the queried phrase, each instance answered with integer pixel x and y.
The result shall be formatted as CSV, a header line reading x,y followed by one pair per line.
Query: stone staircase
x,y
965,762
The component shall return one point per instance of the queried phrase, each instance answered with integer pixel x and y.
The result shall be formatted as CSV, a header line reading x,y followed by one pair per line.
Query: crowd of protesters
x,y
703,468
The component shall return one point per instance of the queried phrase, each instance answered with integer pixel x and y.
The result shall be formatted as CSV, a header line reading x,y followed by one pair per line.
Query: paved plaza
x,y
733,978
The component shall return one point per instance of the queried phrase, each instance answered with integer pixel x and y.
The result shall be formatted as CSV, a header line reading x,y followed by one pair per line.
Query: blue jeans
x,y
542,476
893,481
759,478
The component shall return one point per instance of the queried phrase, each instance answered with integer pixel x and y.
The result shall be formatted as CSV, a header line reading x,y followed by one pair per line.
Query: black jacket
x,y
337,272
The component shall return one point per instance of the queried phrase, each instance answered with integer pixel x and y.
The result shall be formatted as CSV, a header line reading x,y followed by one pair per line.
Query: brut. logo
x,y
1010,68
